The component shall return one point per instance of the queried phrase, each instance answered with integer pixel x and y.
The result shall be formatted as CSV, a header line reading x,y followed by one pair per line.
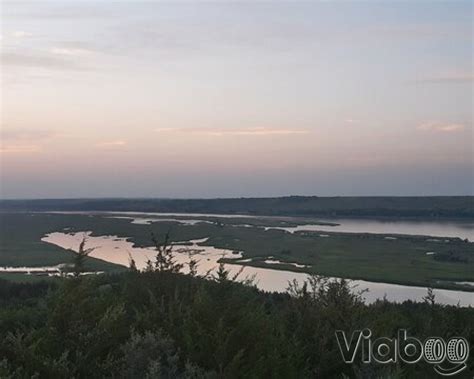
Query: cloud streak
x,y
37,60
441,127
111,144
26,134
70,52
12,149
18,141
218,132
21,34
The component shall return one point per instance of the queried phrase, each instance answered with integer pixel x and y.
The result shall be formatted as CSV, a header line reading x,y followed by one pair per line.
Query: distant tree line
x,y
382,206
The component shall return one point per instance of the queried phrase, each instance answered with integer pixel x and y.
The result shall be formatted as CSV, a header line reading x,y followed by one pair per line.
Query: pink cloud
x,y
12,149
234,132
111,144
441,127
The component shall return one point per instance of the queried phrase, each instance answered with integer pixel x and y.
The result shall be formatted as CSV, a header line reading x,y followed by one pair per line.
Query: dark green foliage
x,y
153,355
450,257
166,325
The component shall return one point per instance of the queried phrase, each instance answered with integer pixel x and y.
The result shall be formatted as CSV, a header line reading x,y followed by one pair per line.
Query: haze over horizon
x,y
204,100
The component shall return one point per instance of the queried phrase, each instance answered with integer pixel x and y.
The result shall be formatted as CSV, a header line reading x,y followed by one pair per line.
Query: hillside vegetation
x,y
165,325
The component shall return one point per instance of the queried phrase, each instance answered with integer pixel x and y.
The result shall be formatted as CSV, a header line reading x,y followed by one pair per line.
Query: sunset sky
x,y
148,99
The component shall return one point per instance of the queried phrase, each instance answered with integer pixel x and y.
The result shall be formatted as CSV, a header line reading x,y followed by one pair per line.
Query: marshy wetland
x,y
379,255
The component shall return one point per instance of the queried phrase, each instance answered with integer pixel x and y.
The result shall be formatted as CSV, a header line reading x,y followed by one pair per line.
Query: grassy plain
x,y
21,245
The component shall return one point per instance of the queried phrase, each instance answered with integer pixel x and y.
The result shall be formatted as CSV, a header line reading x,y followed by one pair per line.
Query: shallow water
x,y
459,229
439,228
118,250
30,270
161,214
148,221
61,269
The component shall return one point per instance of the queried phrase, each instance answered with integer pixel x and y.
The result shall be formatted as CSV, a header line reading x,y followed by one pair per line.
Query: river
x,y
119,250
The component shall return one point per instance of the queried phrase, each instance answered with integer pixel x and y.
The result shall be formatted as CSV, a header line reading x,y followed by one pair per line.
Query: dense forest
x,y
162,324
388,206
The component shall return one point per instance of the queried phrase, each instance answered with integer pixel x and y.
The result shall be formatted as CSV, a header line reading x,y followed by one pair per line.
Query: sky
x,y
155,99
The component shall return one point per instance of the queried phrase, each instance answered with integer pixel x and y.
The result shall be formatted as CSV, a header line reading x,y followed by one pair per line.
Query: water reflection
x,y
423,228
439,228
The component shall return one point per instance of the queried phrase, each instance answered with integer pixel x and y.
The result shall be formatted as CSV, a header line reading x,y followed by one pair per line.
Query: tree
x,y
80,258
192,265
430,297
164,259
222,275
131,263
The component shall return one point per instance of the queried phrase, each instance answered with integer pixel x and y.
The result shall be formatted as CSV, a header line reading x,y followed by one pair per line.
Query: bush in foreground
x,y
168,325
